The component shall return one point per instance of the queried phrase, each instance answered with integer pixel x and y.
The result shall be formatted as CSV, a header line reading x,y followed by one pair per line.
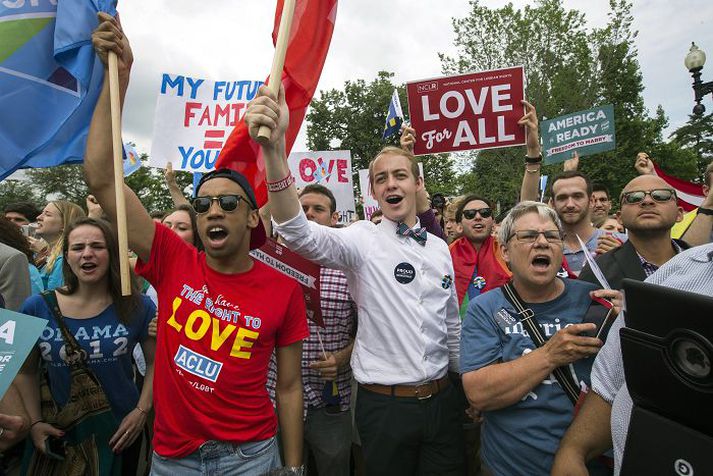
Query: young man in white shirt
x,y
401,279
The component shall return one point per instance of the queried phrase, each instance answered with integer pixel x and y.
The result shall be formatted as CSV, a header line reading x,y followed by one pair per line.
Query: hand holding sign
x,y
643,164
572,164
408,137
531,123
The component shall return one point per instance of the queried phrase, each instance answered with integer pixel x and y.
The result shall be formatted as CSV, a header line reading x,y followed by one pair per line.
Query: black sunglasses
x,y
227,202
484,212
659,195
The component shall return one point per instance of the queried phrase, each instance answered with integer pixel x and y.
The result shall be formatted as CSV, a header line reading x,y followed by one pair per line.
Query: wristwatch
x,y
533,160
705,211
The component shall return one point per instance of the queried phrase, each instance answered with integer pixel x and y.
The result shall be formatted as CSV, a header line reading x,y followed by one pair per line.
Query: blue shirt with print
x,y
522,439
108,344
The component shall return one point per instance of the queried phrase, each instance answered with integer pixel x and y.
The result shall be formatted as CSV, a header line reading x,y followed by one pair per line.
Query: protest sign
x,y
369,203
18,335
333,169
588,132
296,267
193,119
467,111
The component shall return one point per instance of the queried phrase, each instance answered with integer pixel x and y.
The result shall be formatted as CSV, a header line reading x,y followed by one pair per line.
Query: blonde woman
x,y
51,225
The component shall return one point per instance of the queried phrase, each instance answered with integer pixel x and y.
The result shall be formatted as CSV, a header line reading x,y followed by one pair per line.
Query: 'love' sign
x,y
469,111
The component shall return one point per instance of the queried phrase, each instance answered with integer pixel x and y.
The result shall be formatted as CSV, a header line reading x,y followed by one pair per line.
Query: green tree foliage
x,y
67,182
18,191
568,67
64,182
696,136
353,119
151,188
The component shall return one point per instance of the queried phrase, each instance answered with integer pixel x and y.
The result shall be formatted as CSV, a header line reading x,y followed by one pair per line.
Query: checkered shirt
x,y
650,268
339,313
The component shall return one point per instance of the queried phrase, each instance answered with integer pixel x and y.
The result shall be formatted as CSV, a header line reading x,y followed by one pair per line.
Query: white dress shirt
x,y
409,328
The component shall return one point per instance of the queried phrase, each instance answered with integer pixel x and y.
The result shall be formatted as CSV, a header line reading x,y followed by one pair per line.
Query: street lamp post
x,y
695,59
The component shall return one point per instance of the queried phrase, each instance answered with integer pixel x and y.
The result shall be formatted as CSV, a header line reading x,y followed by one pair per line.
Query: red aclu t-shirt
x,y
216,333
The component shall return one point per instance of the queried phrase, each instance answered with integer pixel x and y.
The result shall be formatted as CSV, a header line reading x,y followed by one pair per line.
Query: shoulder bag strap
x,y
73,347
529,321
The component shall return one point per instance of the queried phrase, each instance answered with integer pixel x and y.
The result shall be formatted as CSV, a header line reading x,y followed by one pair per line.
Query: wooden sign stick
x,y
278,61
119,174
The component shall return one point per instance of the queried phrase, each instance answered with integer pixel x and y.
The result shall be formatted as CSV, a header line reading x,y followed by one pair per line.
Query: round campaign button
x,y
404,273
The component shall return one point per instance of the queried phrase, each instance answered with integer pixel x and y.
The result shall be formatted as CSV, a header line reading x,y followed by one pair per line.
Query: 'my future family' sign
x,y
588,132
468,111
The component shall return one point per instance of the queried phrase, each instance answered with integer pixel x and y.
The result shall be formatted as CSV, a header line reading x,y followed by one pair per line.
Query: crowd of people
x,y
453,342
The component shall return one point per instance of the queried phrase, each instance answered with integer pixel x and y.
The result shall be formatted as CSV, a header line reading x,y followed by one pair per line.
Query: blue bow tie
x,y
419,235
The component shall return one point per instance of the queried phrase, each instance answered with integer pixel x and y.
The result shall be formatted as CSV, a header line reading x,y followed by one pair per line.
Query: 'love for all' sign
x,y
468,111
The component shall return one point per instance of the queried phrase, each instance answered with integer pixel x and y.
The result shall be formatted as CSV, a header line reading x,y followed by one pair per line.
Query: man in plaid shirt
x,y
327,378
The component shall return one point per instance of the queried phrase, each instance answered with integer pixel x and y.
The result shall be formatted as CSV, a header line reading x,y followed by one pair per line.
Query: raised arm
x,y
268,110
530,189
98,161
173,188
699,231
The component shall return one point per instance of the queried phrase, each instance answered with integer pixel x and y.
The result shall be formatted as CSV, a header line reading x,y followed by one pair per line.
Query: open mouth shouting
x,y
541,262
394,199
217,235
88,267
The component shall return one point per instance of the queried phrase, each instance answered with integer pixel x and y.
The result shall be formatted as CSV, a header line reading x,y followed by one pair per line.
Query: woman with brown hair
x,y
90,320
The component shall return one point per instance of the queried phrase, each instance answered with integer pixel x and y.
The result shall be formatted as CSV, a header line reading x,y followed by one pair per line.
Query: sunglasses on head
x,y
484,212
658,195
227,202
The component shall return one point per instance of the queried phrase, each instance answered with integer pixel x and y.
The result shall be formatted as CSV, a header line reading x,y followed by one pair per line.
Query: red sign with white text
x,y
468,111
298,268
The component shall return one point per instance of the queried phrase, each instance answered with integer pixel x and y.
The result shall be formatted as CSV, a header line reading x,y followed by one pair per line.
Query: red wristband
x,y
281,185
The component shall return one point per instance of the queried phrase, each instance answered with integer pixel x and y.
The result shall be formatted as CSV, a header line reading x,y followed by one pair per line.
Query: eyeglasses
x,y
658,195
530,236
227,202
484,212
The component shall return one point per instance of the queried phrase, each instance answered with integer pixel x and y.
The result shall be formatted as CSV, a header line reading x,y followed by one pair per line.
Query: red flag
x,y
310,35
690,195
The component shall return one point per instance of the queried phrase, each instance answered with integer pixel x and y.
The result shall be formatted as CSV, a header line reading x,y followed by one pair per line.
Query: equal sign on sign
x,y
213,139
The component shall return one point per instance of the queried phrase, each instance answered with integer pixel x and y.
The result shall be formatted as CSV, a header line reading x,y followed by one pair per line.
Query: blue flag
x,y
50,79
395,117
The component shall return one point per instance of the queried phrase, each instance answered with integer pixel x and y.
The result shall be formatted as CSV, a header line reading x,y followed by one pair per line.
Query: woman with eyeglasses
x,y
106,326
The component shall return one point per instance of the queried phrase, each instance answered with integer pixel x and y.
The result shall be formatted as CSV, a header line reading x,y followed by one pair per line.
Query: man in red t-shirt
x,y
221,314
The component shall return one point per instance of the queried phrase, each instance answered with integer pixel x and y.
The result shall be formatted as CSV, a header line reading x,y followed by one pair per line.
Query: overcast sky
x,y
230,40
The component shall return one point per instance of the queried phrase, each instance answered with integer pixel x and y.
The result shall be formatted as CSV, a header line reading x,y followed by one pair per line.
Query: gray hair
x,y
521,209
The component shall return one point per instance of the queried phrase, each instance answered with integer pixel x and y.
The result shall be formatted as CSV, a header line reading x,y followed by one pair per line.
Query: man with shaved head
x,y
648,211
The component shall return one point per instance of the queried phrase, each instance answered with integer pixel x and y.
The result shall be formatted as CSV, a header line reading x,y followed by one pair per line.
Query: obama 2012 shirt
x,y
216,333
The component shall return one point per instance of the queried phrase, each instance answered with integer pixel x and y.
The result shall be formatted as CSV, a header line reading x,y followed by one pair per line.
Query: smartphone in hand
x,y
600,313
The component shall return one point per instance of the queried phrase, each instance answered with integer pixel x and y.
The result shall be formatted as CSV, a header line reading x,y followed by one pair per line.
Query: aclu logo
x,y
427,87
197,364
